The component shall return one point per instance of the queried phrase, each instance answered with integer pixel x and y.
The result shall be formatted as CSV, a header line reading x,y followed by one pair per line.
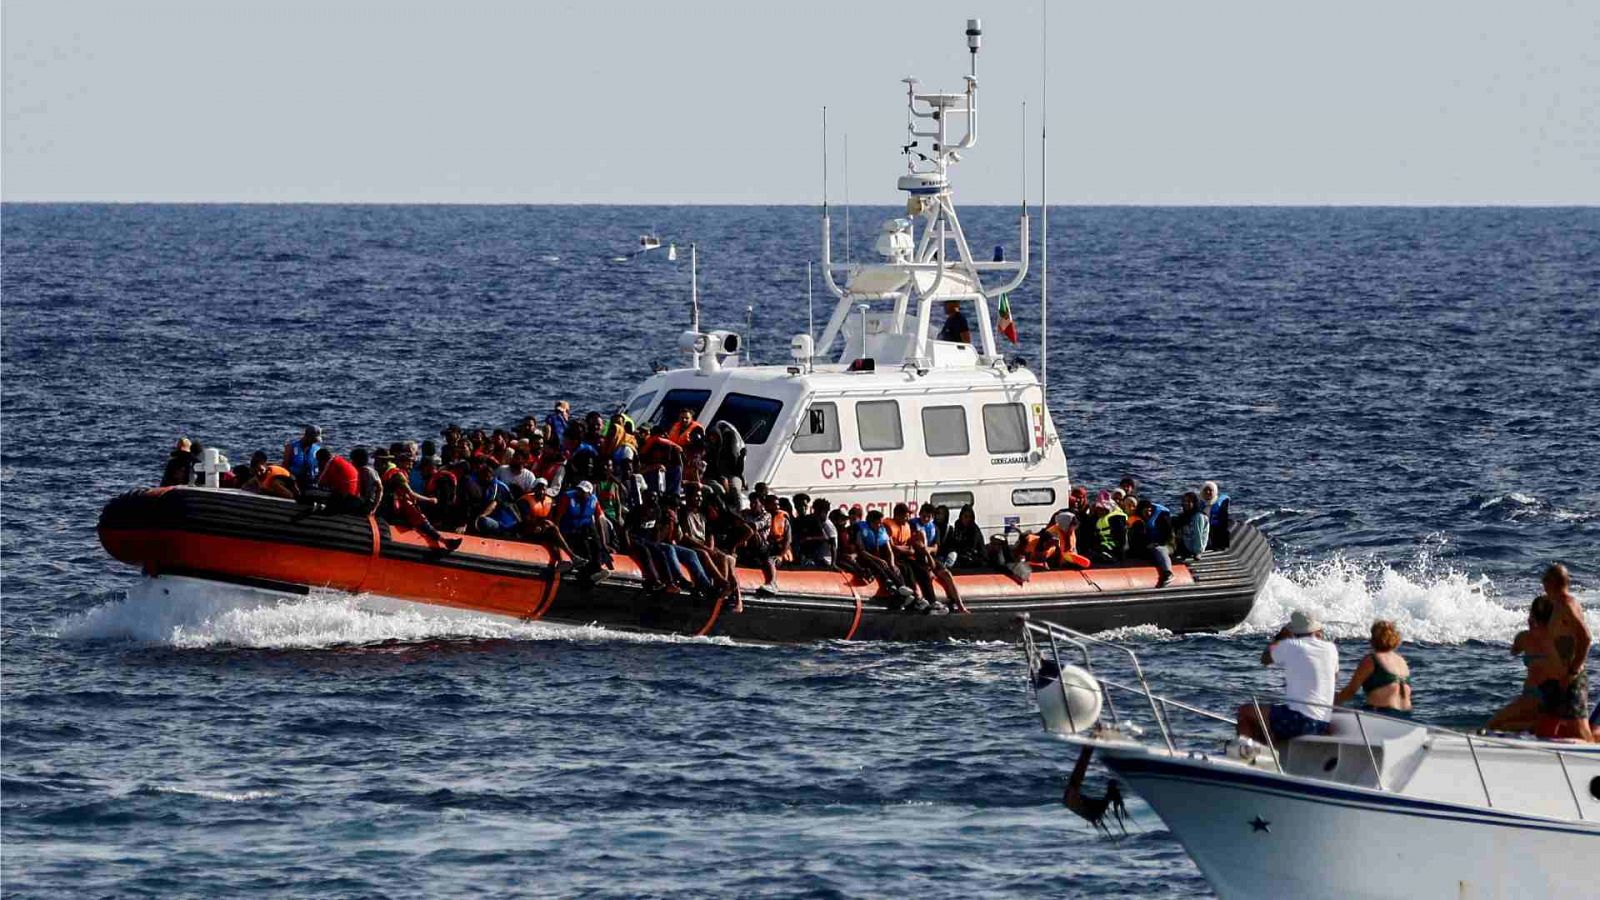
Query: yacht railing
x,y
1040,638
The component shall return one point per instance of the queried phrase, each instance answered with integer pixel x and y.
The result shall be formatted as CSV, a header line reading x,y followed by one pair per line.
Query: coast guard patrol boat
x,y
897,416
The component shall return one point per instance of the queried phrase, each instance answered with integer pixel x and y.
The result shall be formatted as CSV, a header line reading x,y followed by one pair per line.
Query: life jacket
x,y
1152,525
303,461
505,508
441,477
680,432
872,538
393,478
273,473
577,515
777,530
1102,527
535,508
1214,511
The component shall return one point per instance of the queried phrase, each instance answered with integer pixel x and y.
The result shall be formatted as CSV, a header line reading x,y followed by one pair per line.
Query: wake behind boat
x,y
1377,807
906,418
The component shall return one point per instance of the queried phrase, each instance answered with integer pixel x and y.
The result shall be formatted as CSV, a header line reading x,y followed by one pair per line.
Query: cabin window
x,y
819,430
954,499
944,430
678,400
1033,496
639,405
878,425
753,417
1005,427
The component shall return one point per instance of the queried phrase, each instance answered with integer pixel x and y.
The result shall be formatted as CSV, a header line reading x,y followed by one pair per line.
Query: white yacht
x,y
1380,807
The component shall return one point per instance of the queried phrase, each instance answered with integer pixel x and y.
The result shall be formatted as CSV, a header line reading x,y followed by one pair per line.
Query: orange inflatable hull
x,y
231,536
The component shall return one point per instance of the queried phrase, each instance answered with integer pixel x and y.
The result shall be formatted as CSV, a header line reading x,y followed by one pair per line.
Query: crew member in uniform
x,y
955,327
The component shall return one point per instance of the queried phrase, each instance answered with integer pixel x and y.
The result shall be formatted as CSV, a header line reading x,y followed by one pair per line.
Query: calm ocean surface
x,y
1407,401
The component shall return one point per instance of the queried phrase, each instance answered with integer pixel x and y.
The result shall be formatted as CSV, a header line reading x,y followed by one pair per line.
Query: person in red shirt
x,y
342,482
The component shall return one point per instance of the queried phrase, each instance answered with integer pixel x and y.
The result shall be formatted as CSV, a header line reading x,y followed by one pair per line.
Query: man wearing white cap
x,y
1310,668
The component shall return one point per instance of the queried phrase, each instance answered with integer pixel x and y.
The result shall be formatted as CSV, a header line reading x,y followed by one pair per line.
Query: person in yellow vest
x,y
1110,528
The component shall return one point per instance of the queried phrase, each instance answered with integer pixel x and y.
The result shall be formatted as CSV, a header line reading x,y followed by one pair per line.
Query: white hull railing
x,y
1043,640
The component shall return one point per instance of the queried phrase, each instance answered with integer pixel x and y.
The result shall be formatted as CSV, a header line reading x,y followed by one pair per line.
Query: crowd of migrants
x,y
673,498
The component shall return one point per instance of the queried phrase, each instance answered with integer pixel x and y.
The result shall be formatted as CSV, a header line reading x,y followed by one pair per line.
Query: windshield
x,y
677,400
753,417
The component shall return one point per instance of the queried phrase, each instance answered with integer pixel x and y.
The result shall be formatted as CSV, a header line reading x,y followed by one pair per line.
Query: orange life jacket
x,y
535,509
272,474
679,432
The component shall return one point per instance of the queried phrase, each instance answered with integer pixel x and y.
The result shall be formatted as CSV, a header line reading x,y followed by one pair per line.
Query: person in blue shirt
x,y
557,422
499,512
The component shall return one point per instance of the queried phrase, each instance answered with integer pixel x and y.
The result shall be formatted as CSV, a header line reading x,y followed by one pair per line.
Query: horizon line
x,y
1380,204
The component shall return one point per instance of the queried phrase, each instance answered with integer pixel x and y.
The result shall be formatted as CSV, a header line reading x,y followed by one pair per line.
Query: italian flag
x,y
1008,326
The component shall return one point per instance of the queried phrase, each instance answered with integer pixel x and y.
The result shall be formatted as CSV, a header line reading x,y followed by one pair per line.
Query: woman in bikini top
x,y
1382,675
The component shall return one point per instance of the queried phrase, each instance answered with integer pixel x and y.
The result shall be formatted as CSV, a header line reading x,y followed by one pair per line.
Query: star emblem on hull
x,y
1259,824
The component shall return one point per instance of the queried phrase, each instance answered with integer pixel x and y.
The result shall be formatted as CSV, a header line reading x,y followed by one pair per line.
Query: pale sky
x,y
1223,102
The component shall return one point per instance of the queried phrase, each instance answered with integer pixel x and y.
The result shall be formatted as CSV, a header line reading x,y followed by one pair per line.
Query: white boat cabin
x,y
899,416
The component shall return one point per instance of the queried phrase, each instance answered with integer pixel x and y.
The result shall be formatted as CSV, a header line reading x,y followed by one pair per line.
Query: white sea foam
x,y
196,615
1429,602
223,796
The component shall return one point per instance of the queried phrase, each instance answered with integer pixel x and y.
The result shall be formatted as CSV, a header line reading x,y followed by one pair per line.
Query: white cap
x,y
586,487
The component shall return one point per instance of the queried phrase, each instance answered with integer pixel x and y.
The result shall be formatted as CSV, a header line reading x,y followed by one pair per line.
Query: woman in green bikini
x,y
1382,675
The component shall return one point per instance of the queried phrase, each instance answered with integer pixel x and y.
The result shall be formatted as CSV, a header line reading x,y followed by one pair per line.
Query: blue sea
x,y
1407,401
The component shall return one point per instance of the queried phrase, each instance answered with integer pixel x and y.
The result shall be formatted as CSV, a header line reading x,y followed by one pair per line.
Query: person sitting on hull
x,y
1310,667
695,533
769,541
442,483
872,549
578,516
536,512
1110,525
913,569
340,482
925,544
498,513
300,456
403,506
1215,504
1156,541
1191,529
963,545
269,479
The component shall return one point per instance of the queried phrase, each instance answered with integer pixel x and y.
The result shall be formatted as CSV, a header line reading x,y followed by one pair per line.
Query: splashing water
x,y
1431,604
197,615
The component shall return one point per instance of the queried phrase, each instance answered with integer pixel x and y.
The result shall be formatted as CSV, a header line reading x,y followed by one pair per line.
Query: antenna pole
x,y
847,257
1044,199
811,328
1024,165
824,162
694,288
